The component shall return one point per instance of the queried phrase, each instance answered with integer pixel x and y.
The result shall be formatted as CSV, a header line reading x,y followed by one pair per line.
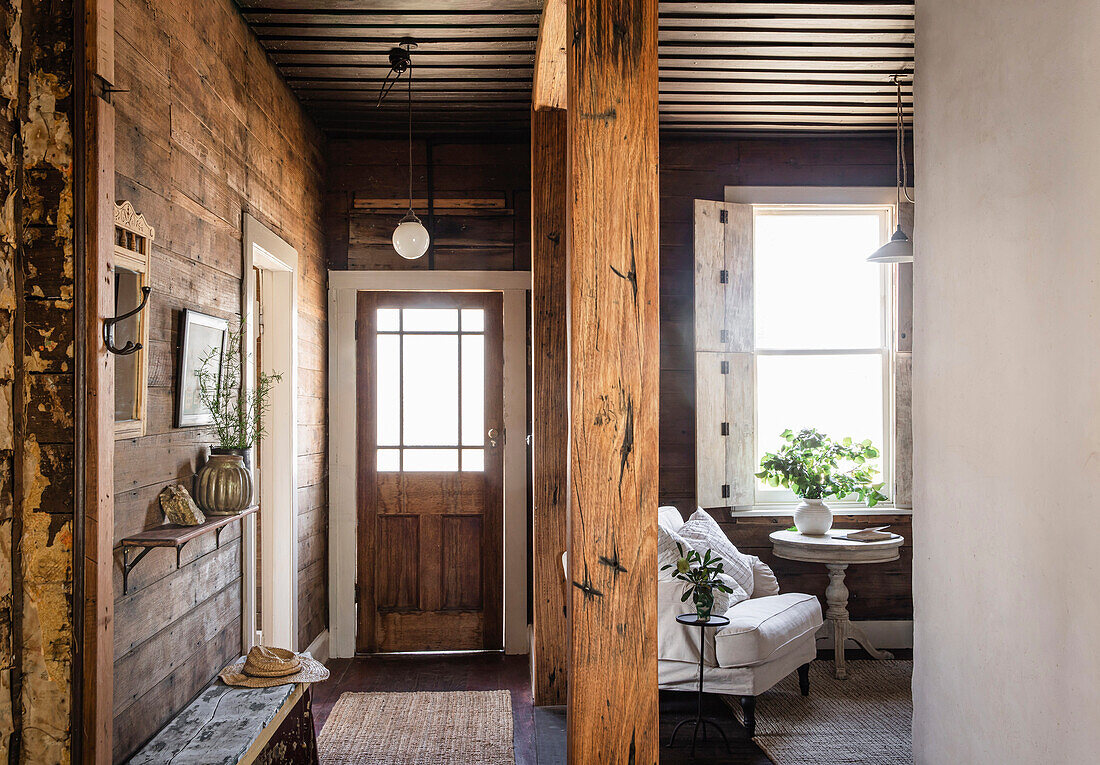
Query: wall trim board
x,y
812,195
278,484
343,538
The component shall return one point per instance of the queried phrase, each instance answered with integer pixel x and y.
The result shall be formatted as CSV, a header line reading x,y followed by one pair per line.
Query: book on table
x,y
871,534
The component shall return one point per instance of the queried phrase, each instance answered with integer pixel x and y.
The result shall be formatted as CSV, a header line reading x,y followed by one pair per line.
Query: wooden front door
x,y
430,473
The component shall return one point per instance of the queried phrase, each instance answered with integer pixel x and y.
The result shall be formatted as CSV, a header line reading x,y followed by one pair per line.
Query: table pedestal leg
x,y
836,611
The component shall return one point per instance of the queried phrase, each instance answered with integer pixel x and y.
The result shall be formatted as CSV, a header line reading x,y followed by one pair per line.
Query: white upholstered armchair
x,y
769,636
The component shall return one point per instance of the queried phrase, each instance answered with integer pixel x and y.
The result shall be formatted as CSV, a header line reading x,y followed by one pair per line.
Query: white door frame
x,y
278,484
344,287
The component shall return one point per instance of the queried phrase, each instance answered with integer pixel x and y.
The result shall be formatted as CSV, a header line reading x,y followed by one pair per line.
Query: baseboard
x,y
318,649
887,635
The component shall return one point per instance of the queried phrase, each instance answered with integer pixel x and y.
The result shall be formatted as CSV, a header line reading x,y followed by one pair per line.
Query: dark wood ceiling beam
x,y
675,7
442,85
340,45
739,22
709,35
433,34
309,18
389,6
422,73
422,60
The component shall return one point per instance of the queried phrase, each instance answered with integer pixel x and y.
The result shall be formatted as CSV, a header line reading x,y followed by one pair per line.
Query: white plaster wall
x,y
1007,382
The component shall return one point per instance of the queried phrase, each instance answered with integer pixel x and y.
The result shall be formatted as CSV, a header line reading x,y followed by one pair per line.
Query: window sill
x,y
773,511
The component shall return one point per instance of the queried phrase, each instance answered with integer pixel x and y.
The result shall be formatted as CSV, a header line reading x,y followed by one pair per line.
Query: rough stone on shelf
x,y
179,507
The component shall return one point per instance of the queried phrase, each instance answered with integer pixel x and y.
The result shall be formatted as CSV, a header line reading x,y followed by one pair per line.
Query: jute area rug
x,y
864,720
440,728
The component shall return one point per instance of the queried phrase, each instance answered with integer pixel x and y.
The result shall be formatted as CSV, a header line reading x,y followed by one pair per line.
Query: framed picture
x,y
201,336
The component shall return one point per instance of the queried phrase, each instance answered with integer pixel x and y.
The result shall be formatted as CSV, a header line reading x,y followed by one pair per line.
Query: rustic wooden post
x,y
550,404
613,339
97,152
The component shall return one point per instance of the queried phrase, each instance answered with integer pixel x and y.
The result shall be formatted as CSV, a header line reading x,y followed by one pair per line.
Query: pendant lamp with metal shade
x,y
410,238
900,247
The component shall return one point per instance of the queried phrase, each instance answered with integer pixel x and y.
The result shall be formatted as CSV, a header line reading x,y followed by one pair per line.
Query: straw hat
x,y
266,666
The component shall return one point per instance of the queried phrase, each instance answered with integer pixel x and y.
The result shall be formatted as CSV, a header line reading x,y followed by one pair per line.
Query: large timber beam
x,y
548,90
550,402
96,161
613,338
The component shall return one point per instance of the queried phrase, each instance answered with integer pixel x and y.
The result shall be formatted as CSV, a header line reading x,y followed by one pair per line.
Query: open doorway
x,y
270,602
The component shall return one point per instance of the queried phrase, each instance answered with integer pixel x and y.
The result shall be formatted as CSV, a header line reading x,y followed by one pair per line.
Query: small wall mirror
x,y
130,272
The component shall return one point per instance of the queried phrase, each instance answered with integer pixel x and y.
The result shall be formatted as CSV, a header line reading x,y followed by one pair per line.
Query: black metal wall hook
x,y
109,328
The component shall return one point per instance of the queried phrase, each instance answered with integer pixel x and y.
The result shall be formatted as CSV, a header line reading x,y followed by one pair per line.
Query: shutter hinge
x,y
725,491
723,336
357,329
723,276
725,428
724,216
356,593
725,367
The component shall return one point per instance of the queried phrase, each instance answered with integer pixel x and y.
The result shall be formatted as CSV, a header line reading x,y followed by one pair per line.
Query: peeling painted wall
x,y
36,380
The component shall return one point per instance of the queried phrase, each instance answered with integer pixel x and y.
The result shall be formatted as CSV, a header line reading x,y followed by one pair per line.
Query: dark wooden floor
x,y
541,744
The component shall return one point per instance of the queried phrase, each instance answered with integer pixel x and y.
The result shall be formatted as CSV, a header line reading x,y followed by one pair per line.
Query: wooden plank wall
x,y
700,169
359,239
207,131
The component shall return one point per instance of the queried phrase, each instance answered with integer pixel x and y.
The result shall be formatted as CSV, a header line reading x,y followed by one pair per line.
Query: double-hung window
x,y
822,327
794,329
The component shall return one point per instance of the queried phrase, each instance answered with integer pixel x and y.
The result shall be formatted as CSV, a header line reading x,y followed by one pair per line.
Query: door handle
x,y
495,436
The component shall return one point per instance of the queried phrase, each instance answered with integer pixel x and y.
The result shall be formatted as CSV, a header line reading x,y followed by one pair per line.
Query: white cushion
x,y
762,627
668,552
669,517
764,582
703,533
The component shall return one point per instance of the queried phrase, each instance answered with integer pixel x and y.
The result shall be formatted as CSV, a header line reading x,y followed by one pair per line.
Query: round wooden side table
x,y
691,620
837,555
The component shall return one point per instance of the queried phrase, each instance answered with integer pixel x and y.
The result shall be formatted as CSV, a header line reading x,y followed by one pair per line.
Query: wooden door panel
x,y
398,542
430,542
461,562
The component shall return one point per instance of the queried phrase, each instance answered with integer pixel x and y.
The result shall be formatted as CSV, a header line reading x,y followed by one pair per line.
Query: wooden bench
x,y
227,725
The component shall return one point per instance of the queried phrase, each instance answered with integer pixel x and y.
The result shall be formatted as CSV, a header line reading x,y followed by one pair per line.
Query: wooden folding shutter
x,y
724,340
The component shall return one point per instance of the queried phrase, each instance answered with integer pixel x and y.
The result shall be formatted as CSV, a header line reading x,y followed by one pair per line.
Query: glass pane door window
x,y
822,327
430,389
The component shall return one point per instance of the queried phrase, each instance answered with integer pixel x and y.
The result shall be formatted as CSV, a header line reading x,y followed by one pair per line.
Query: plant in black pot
x,y
225,482
702,573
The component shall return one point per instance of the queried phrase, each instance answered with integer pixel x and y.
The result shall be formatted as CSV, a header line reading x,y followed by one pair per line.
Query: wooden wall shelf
x,y
173,535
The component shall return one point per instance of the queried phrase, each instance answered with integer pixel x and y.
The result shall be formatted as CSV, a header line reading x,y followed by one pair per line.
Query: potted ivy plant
x,y
225,482
815,468
701,572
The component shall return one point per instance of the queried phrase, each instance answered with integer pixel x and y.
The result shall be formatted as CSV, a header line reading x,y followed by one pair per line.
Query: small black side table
x,y
692,620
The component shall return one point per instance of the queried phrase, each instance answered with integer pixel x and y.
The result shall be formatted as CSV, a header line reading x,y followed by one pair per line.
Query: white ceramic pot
x,y
813,518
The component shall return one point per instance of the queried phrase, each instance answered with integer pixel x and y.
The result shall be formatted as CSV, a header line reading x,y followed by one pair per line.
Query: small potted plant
x,y
701,572
225,482
815,467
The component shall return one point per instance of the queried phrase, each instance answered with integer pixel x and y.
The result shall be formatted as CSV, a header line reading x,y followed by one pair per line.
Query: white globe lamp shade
x,y
410,239
898,250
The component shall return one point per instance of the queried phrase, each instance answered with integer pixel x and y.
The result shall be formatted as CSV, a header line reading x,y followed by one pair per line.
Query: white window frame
x,y
823,199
